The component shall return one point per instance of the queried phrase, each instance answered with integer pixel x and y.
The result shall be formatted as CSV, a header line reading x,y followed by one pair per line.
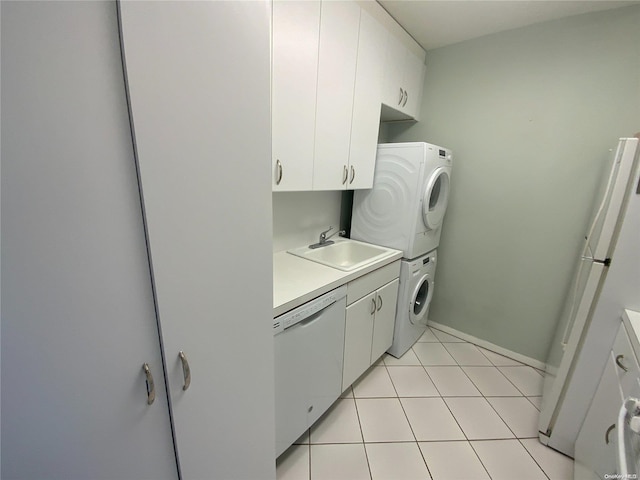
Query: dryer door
x,y
436,197
420,299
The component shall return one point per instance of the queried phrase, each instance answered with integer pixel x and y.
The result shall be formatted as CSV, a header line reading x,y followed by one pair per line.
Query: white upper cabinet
x,y
338,68
365,121
413,83
338,53
296,33
404,79
394,72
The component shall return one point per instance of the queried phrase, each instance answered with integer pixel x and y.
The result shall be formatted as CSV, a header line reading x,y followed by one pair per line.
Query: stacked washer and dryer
x,y
404,210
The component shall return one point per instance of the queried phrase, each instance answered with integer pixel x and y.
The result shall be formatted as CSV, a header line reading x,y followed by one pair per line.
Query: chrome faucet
x,y
323,240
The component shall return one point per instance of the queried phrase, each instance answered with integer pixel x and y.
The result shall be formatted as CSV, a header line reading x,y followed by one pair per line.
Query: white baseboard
x,y
532,362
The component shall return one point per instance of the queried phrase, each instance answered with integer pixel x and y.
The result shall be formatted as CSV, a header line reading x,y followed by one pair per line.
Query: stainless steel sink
x,y
345,254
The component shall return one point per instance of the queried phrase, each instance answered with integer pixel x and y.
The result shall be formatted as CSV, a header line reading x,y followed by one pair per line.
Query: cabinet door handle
x,y
619,359
186,371
353,174
406,97
401,96
151,388
379,303
373,306
606,435
345,175
279,167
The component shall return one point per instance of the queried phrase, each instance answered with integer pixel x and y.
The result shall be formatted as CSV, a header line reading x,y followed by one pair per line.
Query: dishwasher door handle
x,y
310,319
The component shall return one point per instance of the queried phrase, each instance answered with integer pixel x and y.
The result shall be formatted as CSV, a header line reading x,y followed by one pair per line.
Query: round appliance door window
x,y
435,199
420,301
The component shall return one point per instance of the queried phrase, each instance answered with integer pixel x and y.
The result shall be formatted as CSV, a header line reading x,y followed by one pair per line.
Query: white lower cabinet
x,y
384,319
358,336
595,449
369,322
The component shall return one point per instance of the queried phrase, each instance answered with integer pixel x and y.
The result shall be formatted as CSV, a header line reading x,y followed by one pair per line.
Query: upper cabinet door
x,y
199,82
296,34
365,121
413,82
404,79
78,318
394,72
336,77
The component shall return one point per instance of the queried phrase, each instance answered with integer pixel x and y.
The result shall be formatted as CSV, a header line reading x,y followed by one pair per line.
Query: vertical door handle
x,y
151,388
379,302
401,96
373,306
606,434
186,371
279,167
406,97
353,174
345,175
619,359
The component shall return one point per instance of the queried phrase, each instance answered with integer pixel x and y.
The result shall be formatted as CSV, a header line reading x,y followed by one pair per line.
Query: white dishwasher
x,y
309,347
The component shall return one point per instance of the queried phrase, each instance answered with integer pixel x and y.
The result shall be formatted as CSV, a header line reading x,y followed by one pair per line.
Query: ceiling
x,y
436,23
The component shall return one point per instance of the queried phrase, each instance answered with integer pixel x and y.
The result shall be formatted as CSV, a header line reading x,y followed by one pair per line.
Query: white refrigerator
x,y
607,281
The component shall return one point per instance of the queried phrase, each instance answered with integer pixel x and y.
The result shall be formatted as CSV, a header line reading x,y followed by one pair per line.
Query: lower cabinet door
x,y
358,335
385,319
595,446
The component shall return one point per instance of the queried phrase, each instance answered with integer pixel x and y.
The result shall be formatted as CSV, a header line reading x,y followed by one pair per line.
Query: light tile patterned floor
x,y
446,410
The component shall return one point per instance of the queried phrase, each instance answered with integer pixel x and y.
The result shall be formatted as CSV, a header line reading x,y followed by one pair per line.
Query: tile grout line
x,y
482,395
403,410
445,403
407,417
458,423
480,459
485,397
534,405
364,446
505,376
534,459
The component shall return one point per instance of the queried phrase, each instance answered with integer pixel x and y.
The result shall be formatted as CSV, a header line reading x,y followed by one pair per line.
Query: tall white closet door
x,y
199,80
78,318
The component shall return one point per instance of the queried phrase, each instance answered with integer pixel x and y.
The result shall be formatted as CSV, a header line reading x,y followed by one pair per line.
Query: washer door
x,y
436,197
420,300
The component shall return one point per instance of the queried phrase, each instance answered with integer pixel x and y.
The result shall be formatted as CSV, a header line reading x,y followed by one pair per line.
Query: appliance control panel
x,y
303,312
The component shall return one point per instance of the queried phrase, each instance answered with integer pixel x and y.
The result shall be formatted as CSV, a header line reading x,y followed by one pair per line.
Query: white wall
x,y
530,115
299,217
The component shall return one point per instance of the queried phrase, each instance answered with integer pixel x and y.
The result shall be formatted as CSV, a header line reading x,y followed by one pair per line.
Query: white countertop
x,y
631,320
297,280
